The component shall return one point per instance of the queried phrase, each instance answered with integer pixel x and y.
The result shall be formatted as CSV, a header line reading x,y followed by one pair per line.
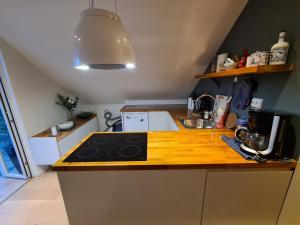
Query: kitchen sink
x,y
196,123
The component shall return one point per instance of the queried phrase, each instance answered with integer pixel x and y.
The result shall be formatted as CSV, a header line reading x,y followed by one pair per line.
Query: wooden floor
x,y
39,202
8,186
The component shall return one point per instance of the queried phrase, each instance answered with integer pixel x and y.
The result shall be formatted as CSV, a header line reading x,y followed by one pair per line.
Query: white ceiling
x,y
172,39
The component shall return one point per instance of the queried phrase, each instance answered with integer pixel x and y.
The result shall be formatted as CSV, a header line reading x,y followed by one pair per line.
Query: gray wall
x,y
257,29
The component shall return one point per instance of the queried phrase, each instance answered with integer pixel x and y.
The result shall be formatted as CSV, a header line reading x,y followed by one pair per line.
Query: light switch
x,y
257,103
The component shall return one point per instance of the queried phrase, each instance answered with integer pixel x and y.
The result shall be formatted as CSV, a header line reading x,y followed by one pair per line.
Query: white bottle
x,y
54,131
279,51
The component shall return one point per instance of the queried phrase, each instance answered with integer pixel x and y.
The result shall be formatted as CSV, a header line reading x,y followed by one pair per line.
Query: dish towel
x,y
235,145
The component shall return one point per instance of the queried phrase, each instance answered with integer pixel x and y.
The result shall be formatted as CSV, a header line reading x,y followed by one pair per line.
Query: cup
x,y
264,57
54,131
220,61
240,133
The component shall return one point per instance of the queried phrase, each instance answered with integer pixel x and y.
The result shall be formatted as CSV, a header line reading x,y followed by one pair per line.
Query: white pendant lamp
x,y
101,42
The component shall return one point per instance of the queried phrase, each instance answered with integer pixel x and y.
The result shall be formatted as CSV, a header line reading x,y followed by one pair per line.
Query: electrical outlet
x,y
257,103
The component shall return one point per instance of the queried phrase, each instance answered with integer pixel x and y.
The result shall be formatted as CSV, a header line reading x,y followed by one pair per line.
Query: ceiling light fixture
x,y
101,42
82,67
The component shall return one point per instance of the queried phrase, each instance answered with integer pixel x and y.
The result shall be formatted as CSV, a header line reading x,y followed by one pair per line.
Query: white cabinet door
x,y
86,129
135,121
76,136
45,150
244,198
158,121
68,143
171,125
161,121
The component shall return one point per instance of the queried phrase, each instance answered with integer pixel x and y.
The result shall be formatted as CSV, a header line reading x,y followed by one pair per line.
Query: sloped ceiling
x,y
172,39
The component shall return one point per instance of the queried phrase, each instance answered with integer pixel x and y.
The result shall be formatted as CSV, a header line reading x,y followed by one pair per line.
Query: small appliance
x,y
269,135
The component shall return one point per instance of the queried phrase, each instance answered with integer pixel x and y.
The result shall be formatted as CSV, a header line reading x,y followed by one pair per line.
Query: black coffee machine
x,y
269,135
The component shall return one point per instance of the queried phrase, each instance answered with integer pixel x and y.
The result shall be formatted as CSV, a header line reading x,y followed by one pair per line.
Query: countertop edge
x,y
270,165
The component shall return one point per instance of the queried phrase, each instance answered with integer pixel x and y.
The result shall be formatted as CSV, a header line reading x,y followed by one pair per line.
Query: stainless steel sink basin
x,y
196,123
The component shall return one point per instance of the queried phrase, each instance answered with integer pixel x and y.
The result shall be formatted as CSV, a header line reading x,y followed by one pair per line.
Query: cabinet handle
x,y
142,120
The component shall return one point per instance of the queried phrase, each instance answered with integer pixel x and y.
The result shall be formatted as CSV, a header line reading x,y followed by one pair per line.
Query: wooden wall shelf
x,y
249,70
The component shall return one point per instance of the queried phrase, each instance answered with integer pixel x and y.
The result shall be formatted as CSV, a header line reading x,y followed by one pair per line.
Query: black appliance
x,y
269,135
103,147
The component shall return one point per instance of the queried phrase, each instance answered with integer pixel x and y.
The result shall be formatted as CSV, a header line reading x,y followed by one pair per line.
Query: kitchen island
x,y
190,177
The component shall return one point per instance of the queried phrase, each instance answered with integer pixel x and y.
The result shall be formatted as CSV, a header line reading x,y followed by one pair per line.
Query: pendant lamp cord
x,y
116,7
91,4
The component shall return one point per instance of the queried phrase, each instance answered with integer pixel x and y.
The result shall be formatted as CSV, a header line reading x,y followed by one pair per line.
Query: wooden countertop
x,y
62,134
183,149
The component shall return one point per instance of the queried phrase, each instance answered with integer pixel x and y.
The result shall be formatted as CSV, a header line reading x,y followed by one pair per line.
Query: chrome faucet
x,y
198,101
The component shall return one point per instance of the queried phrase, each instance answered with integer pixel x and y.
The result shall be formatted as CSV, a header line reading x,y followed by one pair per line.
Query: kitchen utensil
x,y
231,120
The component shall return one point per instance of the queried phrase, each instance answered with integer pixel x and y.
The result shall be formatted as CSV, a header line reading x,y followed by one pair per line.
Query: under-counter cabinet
x,y
47,150
161,121
244,198
142,197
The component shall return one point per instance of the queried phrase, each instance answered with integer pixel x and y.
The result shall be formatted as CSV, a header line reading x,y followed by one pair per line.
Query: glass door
x,y
11,161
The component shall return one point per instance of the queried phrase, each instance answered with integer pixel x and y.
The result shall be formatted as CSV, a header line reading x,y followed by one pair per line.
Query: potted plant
x,y
68,103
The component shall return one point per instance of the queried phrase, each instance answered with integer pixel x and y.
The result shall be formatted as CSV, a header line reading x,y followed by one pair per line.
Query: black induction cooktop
x,y
104,147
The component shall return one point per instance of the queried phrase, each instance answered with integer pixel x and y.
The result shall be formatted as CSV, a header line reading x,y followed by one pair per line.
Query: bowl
x,y
65,125
84,115
229,64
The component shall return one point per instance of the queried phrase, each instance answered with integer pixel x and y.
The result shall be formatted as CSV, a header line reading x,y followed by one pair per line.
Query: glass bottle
x,y
279,51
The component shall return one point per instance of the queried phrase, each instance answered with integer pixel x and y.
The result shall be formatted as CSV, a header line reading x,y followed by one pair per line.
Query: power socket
x,y
257,103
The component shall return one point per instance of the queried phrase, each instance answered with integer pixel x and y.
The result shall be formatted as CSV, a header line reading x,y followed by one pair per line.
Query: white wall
x,y
34,91
115,108
99,109
33,97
